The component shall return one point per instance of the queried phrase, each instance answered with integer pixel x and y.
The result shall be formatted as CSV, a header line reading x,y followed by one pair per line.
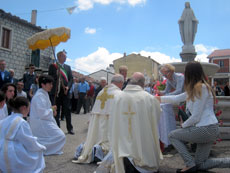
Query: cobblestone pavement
x,y
63,164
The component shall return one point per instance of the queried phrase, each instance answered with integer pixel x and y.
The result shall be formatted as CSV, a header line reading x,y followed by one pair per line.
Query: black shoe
x,y
71,132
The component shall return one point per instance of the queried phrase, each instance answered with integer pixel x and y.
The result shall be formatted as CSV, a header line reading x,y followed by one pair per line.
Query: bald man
x,y
134,131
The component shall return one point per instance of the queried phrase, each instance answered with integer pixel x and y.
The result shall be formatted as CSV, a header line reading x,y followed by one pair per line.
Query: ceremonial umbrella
x,y
49,38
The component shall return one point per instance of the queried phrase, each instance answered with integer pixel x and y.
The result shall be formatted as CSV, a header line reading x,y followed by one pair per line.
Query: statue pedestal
x,y
187,57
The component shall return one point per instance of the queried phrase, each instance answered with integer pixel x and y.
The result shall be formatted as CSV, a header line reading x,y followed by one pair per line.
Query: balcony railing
x,y
223,70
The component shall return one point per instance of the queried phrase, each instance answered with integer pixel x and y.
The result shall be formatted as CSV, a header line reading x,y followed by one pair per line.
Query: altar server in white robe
x,y
3,106
42,121
134,137
20,151
97,145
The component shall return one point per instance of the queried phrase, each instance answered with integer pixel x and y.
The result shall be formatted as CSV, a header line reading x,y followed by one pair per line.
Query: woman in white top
x,y
201,127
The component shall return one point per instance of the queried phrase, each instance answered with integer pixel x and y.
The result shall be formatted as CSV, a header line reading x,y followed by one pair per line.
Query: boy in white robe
x,y
42,121
134,136
19,150
96,145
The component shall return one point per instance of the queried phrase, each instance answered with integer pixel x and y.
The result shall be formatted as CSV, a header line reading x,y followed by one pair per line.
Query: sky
x,y
103,30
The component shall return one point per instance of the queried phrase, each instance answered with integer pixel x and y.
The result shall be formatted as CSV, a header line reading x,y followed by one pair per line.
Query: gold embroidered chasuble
x,y
99,123
134,118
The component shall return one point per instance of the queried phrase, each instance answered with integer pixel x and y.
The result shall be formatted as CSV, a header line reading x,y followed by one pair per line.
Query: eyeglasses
x,y
165,74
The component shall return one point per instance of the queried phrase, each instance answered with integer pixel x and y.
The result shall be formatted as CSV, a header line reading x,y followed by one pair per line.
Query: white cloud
x,y
96,61
89,4
90,30
103,2
68,60
160,57
84,4
101,58
203,52
135,2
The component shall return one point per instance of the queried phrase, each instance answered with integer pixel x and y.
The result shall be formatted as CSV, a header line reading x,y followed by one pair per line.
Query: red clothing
x,y
91,91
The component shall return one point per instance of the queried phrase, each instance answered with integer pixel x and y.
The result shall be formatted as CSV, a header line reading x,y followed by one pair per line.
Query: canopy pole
x,y
58,75
53,49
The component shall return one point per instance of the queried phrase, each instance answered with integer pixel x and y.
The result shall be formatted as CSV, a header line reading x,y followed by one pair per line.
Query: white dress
x,y
19,150
43,124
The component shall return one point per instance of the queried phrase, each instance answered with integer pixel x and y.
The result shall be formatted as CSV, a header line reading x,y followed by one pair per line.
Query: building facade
x,y
222,58
101,73
138,63
14,33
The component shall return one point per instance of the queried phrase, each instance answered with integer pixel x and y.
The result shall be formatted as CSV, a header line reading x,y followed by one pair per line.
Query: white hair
x,y
117,78
103,78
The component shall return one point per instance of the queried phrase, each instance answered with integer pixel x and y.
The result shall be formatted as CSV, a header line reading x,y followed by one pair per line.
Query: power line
x,y
42,11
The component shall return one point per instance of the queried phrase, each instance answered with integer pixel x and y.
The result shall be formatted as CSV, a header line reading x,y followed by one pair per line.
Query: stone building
x,y
138,63
101,73
14,33
222,58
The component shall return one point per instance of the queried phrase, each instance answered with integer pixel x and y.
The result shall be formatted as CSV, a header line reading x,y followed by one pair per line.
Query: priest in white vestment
x,y
134,135
20,151
42,121
97,145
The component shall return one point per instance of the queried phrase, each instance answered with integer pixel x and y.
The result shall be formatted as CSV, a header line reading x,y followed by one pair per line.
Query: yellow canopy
x,y
49,37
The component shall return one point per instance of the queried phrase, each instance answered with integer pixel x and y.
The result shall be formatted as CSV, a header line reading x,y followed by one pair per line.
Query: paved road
x,y
63,164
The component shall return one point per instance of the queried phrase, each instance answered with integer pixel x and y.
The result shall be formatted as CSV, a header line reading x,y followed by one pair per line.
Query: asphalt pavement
x,y
62,163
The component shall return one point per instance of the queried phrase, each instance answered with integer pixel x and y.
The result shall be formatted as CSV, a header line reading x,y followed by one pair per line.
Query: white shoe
x,y
98,163
75,161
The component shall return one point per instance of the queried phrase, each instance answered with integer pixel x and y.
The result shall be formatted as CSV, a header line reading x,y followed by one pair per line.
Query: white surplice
x,y
20,151
3,112
97,143
43,124
134,118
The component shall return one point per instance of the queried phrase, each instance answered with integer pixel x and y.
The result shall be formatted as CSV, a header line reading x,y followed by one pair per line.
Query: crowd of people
x,y
123,134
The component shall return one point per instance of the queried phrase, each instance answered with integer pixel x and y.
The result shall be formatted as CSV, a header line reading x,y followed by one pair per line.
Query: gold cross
x,y
104,97
129,118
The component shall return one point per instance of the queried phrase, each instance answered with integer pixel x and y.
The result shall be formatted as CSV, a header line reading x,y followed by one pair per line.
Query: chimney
x,y
34,17
124,54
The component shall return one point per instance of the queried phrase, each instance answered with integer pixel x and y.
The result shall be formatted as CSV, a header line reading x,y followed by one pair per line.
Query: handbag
x,y
182,114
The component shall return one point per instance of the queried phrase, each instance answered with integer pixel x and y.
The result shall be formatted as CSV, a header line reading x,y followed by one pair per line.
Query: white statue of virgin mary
x,y
188,28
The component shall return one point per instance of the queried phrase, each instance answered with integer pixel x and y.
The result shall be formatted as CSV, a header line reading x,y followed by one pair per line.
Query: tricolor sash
x,y
62,71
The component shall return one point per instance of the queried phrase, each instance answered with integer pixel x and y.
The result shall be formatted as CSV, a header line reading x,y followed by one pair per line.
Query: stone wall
x,y
19,56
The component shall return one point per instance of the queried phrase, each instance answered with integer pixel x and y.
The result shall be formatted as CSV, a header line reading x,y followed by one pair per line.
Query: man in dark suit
x,y
13,79
29,79
5,75
61,86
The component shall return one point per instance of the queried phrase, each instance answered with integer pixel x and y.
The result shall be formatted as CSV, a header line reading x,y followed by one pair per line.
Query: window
x,y
6,35
221,63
